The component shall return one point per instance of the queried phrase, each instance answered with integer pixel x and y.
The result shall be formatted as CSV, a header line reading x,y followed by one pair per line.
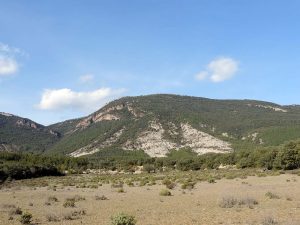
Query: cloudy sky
x,y
65,59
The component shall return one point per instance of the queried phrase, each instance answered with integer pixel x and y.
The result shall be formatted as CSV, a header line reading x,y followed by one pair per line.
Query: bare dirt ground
x,y
200,205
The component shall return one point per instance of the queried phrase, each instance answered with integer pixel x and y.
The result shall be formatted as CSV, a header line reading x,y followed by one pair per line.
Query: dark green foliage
x,y
21,134
281,157
288,158
148,168
115,158
238,118
26,218
28,165
181,154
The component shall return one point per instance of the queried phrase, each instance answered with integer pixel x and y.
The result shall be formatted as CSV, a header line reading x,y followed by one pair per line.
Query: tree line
x,y
29,165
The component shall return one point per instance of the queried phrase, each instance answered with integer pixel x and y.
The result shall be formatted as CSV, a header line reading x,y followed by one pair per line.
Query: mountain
x,y
21,134
157,124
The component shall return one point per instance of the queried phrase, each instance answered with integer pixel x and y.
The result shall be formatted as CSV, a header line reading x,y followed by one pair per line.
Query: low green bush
x,y
165,192
26,218
123,219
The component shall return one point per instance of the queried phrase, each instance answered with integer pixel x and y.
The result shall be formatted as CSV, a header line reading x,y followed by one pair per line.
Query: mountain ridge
x,y
22,134
126,123
160,123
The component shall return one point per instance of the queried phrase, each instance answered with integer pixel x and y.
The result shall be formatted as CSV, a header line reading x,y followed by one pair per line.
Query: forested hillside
x,y
174,122
20,134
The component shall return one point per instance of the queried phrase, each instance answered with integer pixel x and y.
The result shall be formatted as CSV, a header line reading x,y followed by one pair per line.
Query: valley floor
x,y
277,201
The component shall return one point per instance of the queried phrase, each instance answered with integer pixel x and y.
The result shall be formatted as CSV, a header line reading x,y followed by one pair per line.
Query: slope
x,y
157,124
20,134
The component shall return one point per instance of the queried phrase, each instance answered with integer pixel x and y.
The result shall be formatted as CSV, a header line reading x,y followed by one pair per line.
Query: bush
x,y
78,198
269,221
165,192
69,203
249,202
103,197
169,184
26,218
148,168
78,213
52,218
123,219
117,185
52,199
271,195
230,202
188,185
211,180
120,190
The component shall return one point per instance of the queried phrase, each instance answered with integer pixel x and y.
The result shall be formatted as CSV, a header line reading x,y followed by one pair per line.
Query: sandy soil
x,y
198,206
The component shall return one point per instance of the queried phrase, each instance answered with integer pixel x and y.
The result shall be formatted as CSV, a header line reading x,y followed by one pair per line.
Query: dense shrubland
x,y
28,165
284,157
20,166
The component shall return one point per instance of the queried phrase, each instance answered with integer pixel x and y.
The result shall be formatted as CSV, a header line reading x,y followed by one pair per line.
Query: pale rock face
x,y
101,116
173,131
96,118
108,115
33,125
225,134
24,122
153,143
276,109
135,112
5,114
201,142
8,147
253,136
54,133
96,146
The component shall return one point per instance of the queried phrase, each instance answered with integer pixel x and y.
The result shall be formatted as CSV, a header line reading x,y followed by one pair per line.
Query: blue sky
x,y
65,59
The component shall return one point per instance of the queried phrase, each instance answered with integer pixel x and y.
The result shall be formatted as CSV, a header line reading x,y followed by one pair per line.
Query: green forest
x,y
30,165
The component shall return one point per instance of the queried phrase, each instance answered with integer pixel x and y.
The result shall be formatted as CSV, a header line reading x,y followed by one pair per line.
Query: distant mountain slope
x,y
158,123
22,134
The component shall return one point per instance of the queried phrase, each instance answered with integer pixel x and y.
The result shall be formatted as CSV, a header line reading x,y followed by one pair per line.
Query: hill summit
x,y
158,124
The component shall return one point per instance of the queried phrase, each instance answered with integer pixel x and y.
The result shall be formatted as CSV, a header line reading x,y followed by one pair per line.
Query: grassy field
x,y
207,197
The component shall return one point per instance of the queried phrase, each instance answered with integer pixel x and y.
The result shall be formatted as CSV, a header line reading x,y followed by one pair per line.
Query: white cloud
x,y
4,48
62,99
86,78
202,75
8,66
8,62
219,70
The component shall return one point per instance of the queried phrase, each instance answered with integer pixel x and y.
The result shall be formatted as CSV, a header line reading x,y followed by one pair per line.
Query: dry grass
x,y
269,221
199,205
271,195
230,202
52,199
103,197
52,218
69,203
